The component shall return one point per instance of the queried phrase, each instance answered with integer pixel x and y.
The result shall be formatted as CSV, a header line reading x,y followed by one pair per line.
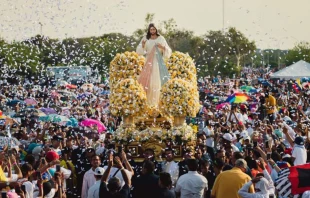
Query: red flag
x,y
300,178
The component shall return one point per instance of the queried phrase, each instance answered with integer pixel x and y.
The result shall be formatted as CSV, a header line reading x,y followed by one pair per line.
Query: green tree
x,y
240,46
300,52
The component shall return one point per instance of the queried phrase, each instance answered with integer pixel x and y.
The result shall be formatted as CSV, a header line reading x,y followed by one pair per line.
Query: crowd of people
x,y
240,148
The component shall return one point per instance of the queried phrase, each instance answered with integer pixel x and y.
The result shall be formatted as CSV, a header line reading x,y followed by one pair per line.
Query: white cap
x,y
244,134
210,113
286,156
99,171
228,137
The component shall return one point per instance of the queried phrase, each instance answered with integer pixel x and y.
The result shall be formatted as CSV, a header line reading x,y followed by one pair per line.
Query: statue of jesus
x,y
155,72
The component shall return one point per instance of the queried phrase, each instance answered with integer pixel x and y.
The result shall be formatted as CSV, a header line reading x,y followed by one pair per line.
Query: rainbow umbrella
x,y
237,98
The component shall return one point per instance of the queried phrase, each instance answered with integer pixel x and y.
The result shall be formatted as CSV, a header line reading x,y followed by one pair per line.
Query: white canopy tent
x,y
297,70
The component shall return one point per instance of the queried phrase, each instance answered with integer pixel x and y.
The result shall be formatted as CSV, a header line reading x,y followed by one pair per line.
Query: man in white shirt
x,y
191,184
27,171
93,191
170,166
299,153
234,116
261,188
89,177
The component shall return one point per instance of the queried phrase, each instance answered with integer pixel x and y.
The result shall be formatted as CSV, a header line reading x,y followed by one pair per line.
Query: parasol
x,y
222,105
14,102
92,122
54,118
31,101
237,98
48,111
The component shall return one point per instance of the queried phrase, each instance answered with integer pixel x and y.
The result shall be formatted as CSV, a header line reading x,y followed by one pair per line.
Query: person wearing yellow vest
x,y
271,103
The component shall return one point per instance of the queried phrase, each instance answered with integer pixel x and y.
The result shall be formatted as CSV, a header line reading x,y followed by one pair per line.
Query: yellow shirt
x,y
2,176
270,103
228,183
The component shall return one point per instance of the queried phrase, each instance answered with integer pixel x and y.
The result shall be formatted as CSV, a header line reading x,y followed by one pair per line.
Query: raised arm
x,y
125,161
107,172
124,174
288,136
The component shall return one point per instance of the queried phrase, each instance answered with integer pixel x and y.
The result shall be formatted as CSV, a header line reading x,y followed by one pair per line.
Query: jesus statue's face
x,y
153,30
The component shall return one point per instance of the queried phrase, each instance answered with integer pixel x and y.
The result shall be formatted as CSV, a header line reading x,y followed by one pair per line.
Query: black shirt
x,y
165,193
123,193
146,186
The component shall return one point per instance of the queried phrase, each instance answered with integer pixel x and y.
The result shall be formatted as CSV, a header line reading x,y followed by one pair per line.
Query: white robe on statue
x,y
154,85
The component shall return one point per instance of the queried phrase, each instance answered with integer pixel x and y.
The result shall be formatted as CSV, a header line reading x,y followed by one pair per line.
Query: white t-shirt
x,y
118,174
14,177
51,194
300,155
233,118
192,185
29,188
210,140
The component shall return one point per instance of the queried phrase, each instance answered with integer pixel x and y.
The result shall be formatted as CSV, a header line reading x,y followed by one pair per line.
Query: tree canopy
x,y
215,52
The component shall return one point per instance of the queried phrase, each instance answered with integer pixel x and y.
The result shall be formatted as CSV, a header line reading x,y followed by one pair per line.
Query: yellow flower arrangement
x,y
182,66
127,98
126,135
185,132
125,65
178,135
179,98
153,111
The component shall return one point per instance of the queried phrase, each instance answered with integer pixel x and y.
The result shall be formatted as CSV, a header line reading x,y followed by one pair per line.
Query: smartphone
x,y
120,149
3,194
267,144
255,144
57,168
23,187
268,156
42,161
38,174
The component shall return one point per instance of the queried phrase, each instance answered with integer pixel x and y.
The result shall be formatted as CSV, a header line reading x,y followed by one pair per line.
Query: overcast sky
x,y
271,23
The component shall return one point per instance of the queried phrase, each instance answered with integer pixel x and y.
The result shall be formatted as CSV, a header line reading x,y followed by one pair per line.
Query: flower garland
x,y
179,98
125,65
182,66
178,135
128,98
125,134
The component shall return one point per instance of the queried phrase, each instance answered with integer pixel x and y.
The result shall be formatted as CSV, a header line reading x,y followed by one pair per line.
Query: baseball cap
x,y
299,141
228,137
51,156
99,171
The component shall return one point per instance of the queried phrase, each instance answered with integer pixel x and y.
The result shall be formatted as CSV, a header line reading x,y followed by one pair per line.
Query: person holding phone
x,y
115,172
113,187
27,185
